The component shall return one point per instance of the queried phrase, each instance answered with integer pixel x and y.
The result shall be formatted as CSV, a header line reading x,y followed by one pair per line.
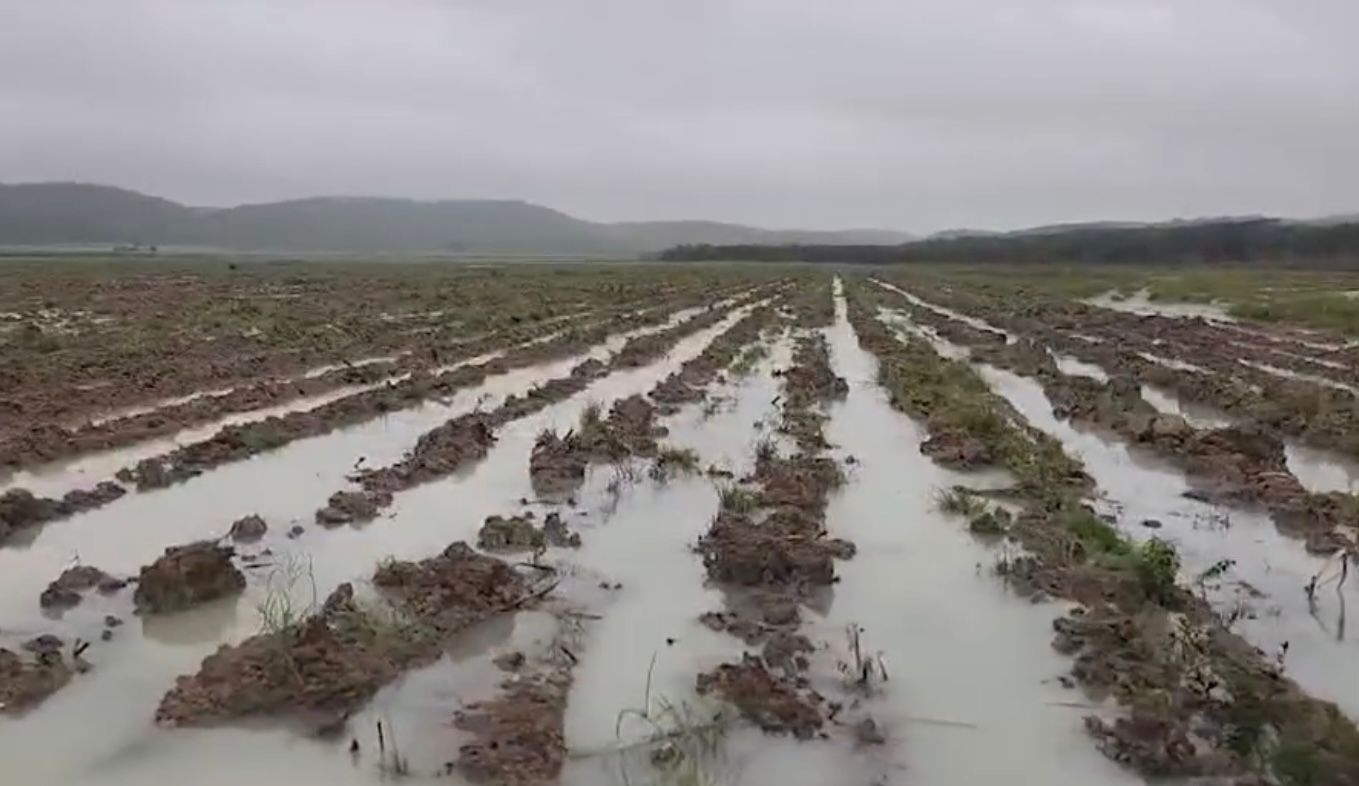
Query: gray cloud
x,y
916,115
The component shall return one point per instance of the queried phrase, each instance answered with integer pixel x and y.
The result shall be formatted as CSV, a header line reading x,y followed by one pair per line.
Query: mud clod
x,y
26,682
763,699
186,576
518,735
65,591
347,507
516,533
331,662
248,529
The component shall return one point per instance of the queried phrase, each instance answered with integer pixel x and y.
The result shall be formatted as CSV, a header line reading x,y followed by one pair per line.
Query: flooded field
x,y
739,524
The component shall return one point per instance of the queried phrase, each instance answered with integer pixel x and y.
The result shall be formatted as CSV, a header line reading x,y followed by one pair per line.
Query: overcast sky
x,y
908,114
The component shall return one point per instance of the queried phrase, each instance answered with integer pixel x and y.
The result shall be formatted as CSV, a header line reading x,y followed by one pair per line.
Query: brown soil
x,y
776,705
777,553
690,382
519,735
335,660
186,576
66,591
786,548
26,681
101,337
20,509
1202,702
556,468
347,507
956,450
248,529
522,533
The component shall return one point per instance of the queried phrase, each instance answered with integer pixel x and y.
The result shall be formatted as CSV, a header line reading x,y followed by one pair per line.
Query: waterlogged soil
x,y
91,342
412,529
1221,703
829,653
236,442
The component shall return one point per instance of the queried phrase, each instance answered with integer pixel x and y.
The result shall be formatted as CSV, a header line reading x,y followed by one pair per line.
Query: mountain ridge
x,y
57,213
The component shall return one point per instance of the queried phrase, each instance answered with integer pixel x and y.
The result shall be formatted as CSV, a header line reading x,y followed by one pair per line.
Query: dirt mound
x,y
558,534
785,548
519,738
452,590
630,430
186,576
437,453
802,481
516,533
248,529
20,508
25,682
555,466
328,665
65,591
335,660
811,379
347,507
777,705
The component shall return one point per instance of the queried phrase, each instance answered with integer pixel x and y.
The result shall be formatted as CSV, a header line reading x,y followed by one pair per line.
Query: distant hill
x,y
65,213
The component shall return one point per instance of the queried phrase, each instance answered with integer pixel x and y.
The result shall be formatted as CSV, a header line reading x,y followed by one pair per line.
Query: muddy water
x,y
1270,571
973,696
647,545
1140,302
1284,373
56,478
966,319
98,730
1143,494
1078,368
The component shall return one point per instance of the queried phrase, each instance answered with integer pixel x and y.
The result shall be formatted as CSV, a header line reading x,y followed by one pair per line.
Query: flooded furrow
x,y
649,644
23,513
1141,628
1262,588
44,468
132,671
971,664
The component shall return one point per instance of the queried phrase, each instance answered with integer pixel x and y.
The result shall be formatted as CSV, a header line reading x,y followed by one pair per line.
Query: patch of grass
x,y
766,449
1099,538
592,415
683,741
959,500
737,499
681,459
290,595
1157,564
745,363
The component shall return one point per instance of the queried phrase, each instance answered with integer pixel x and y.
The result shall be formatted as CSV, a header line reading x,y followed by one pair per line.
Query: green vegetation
x,y
738,500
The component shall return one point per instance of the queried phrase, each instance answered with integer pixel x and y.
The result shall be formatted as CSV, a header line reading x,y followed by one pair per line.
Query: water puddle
x,y
1140,303
948,312
1298,376
1077,368
1178,365
1322,471
1196,415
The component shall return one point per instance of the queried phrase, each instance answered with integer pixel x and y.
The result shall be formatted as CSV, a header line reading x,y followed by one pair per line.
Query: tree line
x,y
1255,240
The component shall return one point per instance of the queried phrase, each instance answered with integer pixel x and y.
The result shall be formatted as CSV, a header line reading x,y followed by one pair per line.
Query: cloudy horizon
x,y
973,113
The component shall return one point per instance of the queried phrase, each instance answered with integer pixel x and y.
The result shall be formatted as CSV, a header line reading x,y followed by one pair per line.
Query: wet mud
x,y
1200,700
328,663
